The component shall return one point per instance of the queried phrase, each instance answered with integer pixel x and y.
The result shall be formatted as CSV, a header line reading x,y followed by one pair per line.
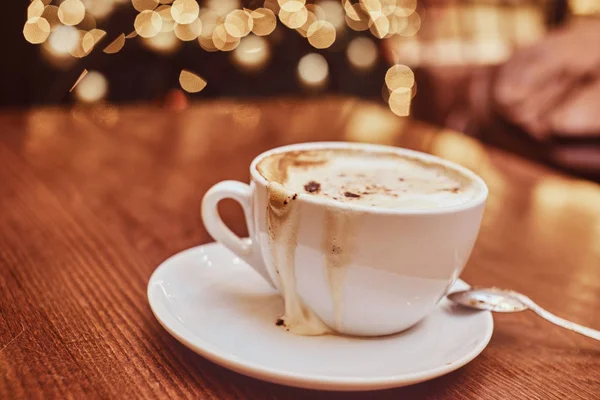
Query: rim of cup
x,y
479,199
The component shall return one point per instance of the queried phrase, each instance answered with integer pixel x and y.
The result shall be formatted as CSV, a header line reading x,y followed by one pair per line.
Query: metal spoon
x,y
500,300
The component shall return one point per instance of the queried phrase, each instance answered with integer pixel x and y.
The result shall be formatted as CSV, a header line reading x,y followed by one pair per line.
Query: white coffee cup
x,y
402,263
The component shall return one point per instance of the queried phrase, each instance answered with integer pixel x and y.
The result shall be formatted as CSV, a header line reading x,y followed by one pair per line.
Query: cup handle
x,y
243,248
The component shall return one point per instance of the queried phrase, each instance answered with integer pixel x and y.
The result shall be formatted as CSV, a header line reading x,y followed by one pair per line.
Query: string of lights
x,y
66,31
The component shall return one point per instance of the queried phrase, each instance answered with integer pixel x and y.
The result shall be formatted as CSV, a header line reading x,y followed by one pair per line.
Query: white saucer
x,y
213,303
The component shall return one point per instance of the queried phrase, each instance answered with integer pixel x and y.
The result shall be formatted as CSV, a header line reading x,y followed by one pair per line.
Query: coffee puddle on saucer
x,y
283,220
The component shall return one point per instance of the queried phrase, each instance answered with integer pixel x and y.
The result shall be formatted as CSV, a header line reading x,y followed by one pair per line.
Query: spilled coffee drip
x,y
283,218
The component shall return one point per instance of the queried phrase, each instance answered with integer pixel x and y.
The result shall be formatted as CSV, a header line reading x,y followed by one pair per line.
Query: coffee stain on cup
x,y
337,246
283,218
277,167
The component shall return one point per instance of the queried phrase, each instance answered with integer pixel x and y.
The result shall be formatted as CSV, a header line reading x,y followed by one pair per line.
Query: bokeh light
x,y
93,37
399,76
209,20
397,24
238,23
291,5
207,44
399,101
188,32
356,17
311,18
148,23
190,82
352,10
252,54
51,15
264,21
222,40
321,34
116,45
168,24
388,7
334,13
84,45
313,70
92,88
362,53
400,80
63,40
35,9
412,26
36,30
143,5
293,19
71,12
380,26
404,8
67,30
185,11
373,7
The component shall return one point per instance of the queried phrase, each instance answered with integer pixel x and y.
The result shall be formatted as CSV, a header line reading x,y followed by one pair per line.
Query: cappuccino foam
x,y
369,178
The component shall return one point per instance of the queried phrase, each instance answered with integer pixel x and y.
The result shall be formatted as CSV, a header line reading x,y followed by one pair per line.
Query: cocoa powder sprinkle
x,y
312,187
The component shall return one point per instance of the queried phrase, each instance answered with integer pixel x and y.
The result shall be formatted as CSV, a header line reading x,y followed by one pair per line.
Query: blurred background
x,y
263,63
452,63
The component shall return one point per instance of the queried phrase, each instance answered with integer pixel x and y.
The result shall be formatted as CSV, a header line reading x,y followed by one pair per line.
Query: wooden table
x,y
93,199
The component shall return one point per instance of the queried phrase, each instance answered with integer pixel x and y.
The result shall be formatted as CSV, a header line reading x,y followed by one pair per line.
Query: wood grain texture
x,y
93,199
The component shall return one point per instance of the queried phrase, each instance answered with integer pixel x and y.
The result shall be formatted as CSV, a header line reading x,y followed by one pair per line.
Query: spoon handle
x,y
589,332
